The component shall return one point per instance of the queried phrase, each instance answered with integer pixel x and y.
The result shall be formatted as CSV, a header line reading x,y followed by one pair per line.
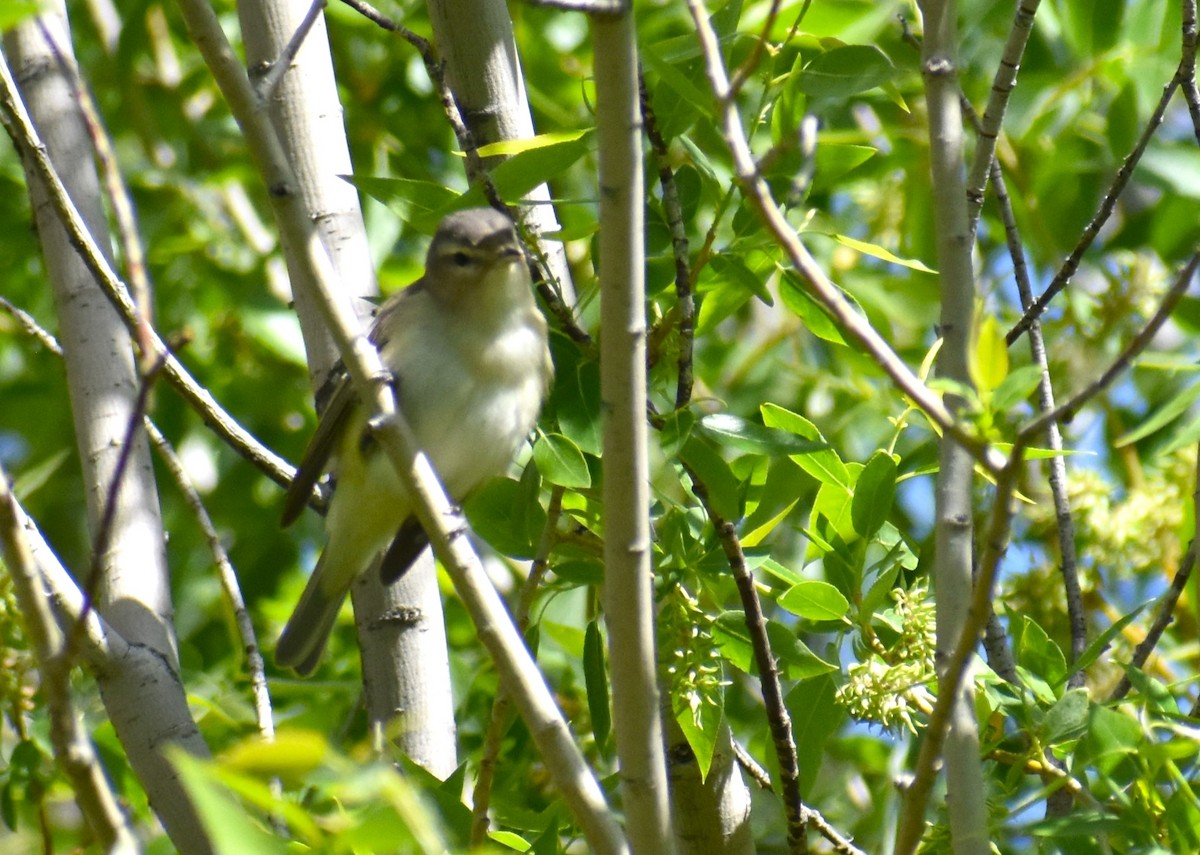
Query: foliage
x,y
826,469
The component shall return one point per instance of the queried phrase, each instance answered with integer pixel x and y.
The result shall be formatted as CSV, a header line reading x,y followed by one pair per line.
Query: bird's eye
x,y
461,259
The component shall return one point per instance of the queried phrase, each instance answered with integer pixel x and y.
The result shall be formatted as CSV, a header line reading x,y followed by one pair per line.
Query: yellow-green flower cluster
x,y
690,657
890,686
16,663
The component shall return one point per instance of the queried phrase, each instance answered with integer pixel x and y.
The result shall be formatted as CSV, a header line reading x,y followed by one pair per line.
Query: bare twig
x,y
26,140
1107,204
750,64
778,720
685,301
1003,84
502,707
72,748
229,581
117,192
825,292
1166,606
266,79
29,323
1065,412
1191,93
1064,522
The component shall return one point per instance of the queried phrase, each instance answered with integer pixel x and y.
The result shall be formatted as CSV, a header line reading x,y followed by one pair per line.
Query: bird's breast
x,y
471,405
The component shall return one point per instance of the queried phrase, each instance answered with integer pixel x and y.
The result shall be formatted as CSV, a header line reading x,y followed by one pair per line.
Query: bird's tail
x,y
303,639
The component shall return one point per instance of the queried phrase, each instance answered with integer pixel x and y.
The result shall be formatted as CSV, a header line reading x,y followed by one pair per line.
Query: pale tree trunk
x,y
628,576
712,816
954,553
406,675
476,42
141,687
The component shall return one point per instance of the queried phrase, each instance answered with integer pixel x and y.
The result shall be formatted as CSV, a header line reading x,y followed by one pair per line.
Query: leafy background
x,y
840,536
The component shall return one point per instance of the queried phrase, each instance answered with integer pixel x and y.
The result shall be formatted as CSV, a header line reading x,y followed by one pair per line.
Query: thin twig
x,y
32,327
100,541
1191,93
1067,411
778,720
1107,204
750,64
502,706
26,140
825,292
229,581
118,193
267,77
1166,606
1003,83
1064,522
685,300
588,7
72,748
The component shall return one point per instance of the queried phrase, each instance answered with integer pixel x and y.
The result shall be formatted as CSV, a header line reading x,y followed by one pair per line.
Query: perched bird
x,y
467,347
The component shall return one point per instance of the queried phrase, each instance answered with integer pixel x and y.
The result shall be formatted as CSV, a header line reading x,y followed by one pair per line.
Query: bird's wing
x,y
320,447
408,543
341,404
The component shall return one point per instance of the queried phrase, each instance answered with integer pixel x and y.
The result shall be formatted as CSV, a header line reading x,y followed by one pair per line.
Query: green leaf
x,y
1067,719
816,716
1036,651
816,320
682,84
835,160
873,494
815,600
833,504
729,431
782,572
824,465
595,677
1174,407
711,468
1016,387
1102,642
876,251
989,355
501,513
511,148
420,201
845,71
1111,737
561,462
524,171
733,640
701,725
734,271
796,660
230,829
292,755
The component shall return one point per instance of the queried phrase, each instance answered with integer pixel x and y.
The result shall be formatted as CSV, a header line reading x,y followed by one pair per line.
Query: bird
x,y
469,353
